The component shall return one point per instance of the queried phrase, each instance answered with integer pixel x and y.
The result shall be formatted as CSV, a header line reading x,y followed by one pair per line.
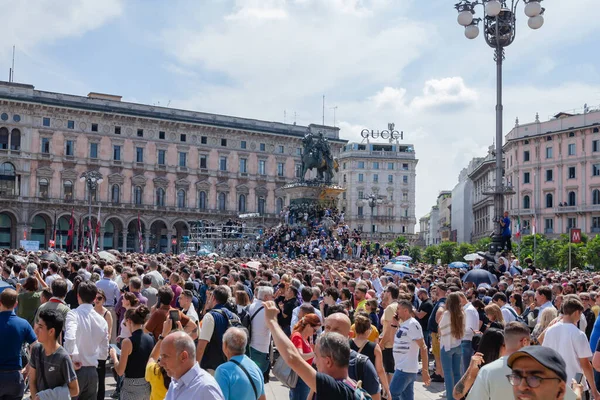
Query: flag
x,y
71,233
97,230
53,241
518,228
89,233
141,244
533,226
80,234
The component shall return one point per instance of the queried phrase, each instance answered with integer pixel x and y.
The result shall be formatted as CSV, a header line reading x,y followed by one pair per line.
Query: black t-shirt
x,y
329,388
426,306
288,309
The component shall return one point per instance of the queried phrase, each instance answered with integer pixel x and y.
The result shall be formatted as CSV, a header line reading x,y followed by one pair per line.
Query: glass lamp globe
x,y
536,22
465,18
493,8
533,9
472,31
82,179
100,180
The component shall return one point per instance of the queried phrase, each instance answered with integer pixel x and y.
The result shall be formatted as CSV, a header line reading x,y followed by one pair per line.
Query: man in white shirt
x,y
471,326
508,312
543,298
572,344
157,279
261,336
187,307
53,274
86,340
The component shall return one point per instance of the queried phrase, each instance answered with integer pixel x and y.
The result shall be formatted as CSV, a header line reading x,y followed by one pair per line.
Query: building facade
x,y
482,174
462,208
389,172
161,167
554,167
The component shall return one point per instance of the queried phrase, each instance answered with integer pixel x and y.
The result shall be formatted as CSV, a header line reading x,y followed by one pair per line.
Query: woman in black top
x,y
71,297
287,307
135,352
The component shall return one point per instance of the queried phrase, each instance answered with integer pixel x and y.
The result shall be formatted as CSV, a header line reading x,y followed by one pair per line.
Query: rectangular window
x,y
390,178
280,169
243,144
117,130
361,195
281,149
571,222
162,155
375,178
549,152
69,148
361,177
405,179
361,165
140,133
596,223
404,196
243,165
94,127
405,167
46,145
182,159
571,149
263,147
46,121
526,156
117,153
596,170
572,172
390,166
548,225
203,140
70,124
375,165
595,145
183,137
93,150
139,154
549,175
224,142
262,167
223,163
298,151
527,177
298,170
360,211
203,161
161,135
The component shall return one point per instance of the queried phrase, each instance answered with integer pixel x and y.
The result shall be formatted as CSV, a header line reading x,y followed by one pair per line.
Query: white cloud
x,y
258,10
389,97
439,93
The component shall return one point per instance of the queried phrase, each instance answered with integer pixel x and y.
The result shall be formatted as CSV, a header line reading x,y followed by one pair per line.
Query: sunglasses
x,y
100,298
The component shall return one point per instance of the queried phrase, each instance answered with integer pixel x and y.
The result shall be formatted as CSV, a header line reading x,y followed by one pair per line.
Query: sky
x,y
377,61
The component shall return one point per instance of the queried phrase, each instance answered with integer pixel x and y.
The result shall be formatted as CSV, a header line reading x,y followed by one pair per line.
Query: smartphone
x,y
174,316
578,377
117,349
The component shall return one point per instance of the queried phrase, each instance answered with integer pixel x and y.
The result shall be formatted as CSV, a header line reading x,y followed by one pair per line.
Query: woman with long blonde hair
x,y
452,330
494,314
544,320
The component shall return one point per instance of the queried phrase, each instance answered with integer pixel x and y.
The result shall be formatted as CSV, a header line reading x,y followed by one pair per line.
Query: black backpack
x,y
246,320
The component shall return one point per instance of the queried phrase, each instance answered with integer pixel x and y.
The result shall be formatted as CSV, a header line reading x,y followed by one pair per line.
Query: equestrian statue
x,y
317,154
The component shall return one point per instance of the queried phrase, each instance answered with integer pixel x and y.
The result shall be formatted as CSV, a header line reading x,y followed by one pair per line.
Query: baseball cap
x,y
212,278
185,271
546,356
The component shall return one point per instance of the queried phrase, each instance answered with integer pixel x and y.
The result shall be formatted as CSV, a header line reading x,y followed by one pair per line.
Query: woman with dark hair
x,y
491,347
71,298
101,369
29,300
155,373
135,352
516,301
301,337
451,330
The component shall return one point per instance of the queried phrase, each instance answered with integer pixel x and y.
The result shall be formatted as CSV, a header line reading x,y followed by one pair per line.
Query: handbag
x,y
284,373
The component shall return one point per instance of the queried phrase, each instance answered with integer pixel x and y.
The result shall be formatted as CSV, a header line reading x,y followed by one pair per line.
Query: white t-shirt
x,y
406,350
471,321
207,327
570,343
261,336
447,341
508,313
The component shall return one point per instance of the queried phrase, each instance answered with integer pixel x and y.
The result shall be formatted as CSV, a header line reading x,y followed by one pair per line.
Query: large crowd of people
x,y
330,325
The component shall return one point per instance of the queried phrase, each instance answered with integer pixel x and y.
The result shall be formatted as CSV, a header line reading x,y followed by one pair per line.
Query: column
x,y
170,234
147,240
124,240
101,239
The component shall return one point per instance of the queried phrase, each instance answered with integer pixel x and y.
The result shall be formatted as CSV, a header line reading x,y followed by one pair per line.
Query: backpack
x,y
358,391
246,319
233,321
518,317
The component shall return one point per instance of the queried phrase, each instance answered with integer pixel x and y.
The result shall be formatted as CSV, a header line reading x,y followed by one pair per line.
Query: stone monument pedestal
x,y
312,196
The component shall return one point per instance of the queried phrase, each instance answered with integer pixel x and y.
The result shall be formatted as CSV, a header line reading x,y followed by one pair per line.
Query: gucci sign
x,y
385,134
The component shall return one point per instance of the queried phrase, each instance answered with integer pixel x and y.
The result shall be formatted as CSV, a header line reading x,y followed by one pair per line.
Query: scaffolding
x,y
226,239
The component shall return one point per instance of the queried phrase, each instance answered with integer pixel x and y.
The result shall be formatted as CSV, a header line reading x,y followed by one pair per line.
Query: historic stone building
x,y
168,166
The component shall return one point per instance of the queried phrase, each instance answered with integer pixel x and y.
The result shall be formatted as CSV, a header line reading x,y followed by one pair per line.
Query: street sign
x,y
575,235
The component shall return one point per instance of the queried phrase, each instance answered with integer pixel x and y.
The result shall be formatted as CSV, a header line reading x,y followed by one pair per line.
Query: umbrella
x,y
403,258
402,268
253,264
203,252
105,255
473,257
458,264
52,257
20,259
115,252
479,276
213,255
4,285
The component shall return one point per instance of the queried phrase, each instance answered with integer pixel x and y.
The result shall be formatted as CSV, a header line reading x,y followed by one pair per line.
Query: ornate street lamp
x,y
93,179
372,201
499,29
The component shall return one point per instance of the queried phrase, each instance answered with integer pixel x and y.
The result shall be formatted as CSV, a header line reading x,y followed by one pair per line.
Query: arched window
x,y
8,179
15,140
279,204
526,202
68,190
202,200
115,193
242,203
595,196
572,198
138,194
222,201
181,198
549,200
261,205
3,138
43,187
160,197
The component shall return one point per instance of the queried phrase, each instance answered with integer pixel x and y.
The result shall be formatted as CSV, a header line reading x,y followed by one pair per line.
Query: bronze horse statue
x,y
318,155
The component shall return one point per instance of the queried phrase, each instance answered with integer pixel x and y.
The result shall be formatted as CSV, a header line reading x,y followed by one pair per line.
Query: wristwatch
x,y
160,337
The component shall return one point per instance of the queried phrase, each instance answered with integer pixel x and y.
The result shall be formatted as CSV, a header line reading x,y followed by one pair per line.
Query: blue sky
x,y
378,61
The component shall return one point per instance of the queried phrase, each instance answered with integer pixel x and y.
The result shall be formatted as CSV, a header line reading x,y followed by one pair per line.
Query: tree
x,y
592,252
447,250
431,254
462,250
415,253
483,244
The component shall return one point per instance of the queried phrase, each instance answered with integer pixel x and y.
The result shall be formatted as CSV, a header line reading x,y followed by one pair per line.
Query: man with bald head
x,y
360,367
188,380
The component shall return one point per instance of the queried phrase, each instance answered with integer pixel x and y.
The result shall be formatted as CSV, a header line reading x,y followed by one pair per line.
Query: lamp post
x,y
372,201
93,179
499,29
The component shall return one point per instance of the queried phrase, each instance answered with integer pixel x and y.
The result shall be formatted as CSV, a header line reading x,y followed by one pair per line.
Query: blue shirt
x,y
506,228
111,291
195,384
235,384
14,331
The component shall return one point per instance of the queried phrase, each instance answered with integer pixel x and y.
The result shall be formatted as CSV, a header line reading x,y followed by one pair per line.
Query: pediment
x,y
205,185
116,178
69,174
44,172
182,184
139,180
242,189
261,191
161,182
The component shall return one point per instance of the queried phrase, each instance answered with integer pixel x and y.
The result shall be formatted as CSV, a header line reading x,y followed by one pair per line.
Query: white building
x,y
462,208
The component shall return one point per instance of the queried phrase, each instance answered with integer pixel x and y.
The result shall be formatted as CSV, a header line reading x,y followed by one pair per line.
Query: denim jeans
x,y
402,385
12,385
466,348
427,339
451,365
300,392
